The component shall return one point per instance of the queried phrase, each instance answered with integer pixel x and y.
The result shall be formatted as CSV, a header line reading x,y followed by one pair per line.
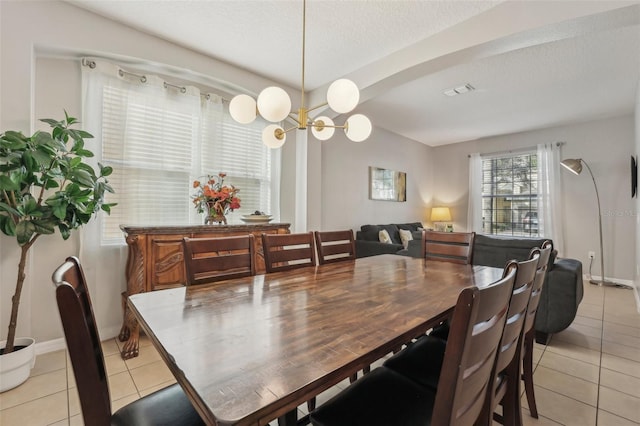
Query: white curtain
x,y
158,138
549,195
474,213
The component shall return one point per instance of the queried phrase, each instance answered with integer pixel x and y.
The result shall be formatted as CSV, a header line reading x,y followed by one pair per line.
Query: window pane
x,y
509,191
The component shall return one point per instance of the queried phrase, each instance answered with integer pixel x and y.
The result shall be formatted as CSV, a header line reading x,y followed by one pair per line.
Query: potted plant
x,y
44,185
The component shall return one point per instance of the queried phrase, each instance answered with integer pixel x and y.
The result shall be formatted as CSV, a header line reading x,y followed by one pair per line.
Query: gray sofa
x,y
368,243
562,290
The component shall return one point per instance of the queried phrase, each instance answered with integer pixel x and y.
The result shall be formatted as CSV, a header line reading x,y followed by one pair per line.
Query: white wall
x,y
606,145
345,180
33,86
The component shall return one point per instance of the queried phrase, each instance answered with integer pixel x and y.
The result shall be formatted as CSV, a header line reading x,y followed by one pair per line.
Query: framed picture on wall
x,y
388,185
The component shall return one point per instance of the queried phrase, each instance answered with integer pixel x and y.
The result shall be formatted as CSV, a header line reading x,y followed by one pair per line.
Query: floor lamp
x,y
574,165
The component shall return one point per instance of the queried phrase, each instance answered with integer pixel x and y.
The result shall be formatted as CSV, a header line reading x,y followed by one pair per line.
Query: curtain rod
x,y
515,151
143,79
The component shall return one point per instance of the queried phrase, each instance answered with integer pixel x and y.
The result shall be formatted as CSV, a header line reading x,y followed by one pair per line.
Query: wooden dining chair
x,y
214,259
168,406
288,251
454,247
505,385
335,246
398,396
529,330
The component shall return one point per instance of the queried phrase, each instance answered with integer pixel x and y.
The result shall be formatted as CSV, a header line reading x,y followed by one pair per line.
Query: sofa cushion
x,y
391,229
496,251
410,226
384,237
405,237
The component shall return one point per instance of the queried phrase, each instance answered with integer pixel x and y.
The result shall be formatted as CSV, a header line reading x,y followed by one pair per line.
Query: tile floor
x,y
588,375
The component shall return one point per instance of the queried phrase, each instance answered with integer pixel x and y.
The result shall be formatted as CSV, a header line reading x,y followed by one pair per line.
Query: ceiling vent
x,y
459,90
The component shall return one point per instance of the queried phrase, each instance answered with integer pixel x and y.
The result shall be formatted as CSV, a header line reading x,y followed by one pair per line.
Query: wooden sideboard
x,y
156,261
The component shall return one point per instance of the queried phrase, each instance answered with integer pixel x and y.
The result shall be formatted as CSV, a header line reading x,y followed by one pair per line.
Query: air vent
x,y
459,90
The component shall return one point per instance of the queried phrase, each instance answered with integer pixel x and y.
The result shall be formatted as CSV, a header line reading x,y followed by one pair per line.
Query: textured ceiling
x,y
534,64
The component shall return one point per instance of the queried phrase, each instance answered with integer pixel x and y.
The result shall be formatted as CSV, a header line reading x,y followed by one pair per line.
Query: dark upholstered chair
x,y
529,329
454,247
335,246
288,251
168,406
399,396
215,259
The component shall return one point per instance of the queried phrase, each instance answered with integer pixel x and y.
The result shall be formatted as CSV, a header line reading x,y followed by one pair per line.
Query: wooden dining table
x,y
250,350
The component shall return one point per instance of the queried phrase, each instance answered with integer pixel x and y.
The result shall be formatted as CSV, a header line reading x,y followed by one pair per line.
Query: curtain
x,y
549,195
474,213
158,138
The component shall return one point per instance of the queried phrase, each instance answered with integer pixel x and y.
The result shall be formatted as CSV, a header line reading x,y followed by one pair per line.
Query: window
x,y
510,195
159,140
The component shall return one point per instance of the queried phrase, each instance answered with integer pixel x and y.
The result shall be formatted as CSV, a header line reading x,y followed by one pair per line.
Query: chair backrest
x,y
83,342
541,273
476,329
288,251
508,357
215,259
454,247
335,246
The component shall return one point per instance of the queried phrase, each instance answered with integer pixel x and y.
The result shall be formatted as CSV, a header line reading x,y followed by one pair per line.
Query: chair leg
x,y
366,370
311,404
527,373
353,377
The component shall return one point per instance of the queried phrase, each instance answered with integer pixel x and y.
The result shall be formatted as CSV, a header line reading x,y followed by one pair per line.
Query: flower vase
x,y
215,218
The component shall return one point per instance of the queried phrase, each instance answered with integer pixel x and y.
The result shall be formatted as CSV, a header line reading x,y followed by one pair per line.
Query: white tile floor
x,y
588,375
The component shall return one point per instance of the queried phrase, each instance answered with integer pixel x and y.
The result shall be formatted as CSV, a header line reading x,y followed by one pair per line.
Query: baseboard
x,y
60,344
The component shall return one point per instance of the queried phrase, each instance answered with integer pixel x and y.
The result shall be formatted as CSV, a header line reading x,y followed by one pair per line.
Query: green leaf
x,y
51,122
24,231
82,177
60,210
43,227
7,208
7,226
7,184
105,170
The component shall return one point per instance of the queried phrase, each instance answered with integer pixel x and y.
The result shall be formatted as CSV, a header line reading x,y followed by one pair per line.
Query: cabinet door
x,y
166,259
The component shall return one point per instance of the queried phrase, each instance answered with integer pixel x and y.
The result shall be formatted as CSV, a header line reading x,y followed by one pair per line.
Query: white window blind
x,y
509,195
159,140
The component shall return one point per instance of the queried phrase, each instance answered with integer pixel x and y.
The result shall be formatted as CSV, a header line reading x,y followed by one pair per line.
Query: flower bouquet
x,y
214,198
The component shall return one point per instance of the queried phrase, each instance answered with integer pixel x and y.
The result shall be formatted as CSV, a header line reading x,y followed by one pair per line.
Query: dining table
x,y
250,350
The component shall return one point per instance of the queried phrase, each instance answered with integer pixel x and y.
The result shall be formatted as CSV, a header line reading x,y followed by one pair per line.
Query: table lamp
x,y
440,215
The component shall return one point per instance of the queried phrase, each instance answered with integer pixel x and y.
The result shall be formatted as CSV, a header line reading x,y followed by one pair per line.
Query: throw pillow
x,y
384,237
405,237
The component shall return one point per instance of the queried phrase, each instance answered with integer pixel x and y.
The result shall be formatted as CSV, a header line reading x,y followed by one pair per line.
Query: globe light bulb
x,y
320,130
343,96
243,109
274,104
358,128
273,136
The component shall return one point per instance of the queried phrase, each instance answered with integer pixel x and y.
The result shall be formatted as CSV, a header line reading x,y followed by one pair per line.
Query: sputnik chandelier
x,y
274,105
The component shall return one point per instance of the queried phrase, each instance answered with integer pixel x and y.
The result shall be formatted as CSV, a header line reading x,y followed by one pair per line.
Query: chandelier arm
x,y
293,117
318,106
335,126
289,129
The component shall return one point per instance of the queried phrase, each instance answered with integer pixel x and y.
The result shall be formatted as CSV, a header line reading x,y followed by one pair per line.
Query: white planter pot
x,y
16,366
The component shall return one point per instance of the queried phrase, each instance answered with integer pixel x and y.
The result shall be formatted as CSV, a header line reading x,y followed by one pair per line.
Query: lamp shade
x,y
440,214
358,127
243,109
274,104
271,139
320,128
574,165
343,95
